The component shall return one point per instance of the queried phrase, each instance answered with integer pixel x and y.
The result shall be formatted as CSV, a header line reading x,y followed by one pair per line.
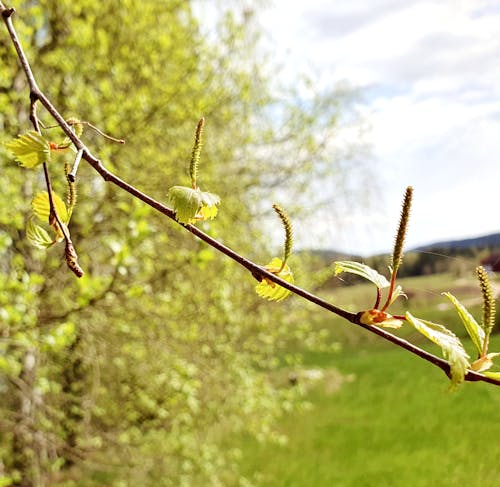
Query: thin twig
x,y
255,270
74,169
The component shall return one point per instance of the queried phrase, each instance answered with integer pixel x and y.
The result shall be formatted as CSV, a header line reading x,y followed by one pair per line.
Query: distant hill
x,y
437,257
491,241
486,241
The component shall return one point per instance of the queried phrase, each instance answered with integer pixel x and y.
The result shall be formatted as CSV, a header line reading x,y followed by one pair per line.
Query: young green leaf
x,y
269,289
475,331
191,204
30,149
361,270
452,348
38,236
41,207
398,291
209,204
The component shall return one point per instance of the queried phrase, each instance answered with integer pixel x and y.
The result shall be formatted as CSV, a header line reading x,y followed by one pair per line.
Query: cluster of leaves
x,y
451,346
31,150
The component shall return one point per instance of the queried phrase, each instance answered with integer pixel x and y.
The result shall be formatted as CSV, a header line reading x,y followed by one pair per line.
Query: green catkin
x,y
287,224
195,154
397,254
488,300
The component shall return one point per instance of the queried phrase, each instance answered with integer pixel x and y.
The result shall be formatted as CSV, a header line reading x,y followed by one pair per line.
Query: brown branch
x,y
256,270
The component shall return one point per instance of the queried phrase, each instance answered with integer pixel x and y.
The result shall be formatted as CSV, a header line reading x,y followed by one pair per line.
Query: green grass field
x,y
382,417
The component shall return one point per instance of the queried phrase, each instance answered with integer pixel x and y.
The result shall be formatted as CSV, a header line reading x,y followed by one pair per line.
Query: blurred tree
x,y
135,373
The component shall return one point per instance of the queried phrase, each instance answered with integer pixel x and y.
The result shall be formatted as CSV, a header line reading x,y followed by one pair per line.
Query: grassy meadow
x,y
379,416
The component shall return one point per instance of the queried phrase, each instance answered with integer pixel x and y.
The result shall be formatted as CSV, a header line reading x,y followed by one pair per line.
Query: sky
x,y
429,77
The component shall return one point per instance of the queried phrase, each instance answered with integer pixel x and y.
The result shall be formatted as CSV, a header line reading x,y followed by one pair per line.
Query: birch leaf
x,y
41,207
473,328
30,149
270,290
452,348
361,270
191,204
37,235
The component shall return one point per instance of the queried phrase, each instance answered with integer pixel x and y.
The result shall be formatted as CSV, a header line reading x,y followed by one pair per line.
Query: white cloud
x,y
431,77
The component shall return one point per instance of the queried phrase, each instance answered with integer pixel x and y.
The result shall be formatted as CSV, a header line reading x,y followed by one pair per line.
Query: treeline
x,y
453,258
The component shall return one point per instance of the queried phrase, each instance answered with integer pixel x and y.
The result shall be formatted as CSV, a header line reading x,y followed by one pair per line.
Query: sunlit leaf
x,y
452,348
37,235
30,149
473,328
41,207
361,270
209,207
186,202
191,204
209,199
269,289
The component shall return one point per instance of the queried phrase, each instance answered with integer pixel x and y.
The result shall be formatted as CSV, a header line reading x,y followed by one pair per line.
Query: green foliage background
x,y
136,374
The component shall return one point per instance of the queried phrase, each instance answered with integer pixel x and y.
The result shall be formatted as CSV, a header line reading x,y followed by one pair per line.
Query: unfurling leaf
x,y
452,348
41,207
475,331
191,205
30,149
398,291
379,318
37,235
269,289
361,270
